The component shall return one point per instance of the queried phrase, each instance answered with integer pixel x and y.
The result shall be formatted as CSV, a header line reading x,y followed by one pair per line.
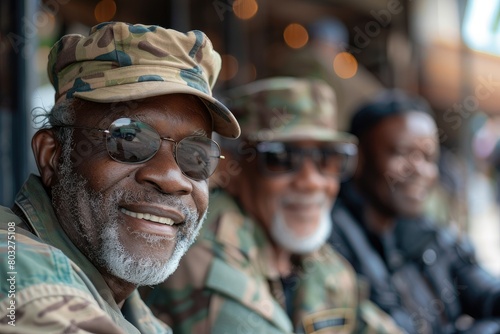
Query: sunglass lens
x,y
132,141
275,157
339,159
197,157
332,162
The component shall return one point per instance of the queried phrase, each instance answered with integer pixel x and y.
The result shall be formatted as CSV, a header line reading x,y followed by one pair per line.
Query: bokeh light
x,y
42,54
252,72
249,71
295,35
47,30
105,10
345,65
245,9
229,67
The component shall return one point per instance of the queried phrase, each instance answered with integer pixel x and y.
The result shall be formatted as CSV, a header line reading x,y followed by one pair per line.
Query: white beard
x,y
286,238
143,271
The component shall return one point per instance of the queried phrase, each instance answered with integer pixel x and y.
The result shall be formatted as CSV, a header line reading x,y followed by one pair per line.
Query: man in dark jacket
x,y
426,277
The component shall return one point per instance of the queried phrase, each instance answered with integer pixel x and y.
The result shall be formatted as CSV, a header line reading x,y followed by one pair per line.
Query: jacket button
x,y
429,256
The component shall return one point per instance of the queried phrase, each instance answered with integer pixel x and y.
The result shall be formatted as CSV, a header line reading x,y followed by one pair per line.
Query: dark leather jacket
x,y
424,276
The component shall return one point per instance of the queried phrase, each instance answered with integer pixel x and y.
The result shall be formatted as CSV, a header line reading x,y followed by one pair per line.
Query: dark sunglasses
x,y
335,159
134,142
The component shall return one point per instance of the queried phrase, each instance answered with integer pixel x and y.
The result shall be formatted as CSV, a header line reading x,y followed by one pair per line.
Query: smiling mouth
x,y
148,216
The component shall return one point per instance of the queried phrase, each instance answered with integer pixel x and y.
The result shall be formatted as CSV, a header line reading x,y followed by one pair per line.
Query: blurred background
x,y
447,51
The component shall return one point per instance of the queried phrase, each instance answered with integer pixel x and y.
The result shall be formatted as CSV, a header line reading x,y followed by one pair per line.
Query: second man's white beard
x,y
284,236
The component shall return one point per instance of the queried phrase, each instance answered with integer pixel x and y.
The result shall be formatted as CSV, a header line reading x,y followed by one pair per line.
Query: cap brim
x,y
304,133
225,123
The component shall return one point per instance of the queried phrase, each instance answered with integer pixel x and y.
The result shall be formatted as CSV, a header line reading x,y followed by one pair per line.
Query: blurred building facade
x,y
433,48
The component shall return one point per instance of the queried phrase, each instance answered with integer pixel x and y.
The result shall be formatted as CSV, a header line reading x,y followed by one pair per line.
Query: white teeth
x,y
148,216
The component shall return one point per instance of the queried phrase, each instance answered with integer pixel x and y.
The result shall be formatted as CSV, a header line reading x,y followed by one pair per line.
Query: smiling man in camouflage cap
x,y
261,263
124,157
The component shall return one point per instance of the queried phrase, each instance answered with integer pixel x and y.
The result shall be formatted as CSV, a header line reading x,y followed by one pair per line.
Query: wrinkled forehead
x,y
420,123
401,129
405,121
173,106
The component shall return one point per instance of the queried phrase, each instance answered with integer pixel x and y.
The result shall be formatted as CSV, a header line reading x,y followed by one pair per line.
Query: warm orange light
x,y
41,58
295,35
249,71
252,72
345,65
229,67
245,9
105,10
47,26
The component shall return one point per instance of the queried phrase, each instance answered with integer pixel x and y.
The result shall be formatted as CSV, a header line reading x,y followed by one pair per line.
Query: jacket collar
x,y
36,205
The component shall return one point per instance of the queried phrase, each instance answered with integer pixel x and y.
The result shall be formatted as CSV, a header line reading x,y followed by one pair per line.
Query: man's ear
x,y
47,150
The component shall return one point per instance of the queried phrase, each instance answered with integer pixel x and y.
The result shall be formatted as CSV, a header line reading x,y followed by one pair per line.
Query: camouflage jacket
x,y
51,287
227,283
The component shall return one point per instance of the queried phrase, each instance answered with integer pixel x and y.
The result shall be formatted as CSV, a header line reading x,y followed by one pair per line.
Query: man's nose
x,y
309,175
163,173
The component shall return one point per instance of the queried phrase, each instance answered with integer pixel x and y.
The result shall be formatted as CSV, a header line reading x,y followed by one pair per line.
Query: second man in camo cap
x,y
261,264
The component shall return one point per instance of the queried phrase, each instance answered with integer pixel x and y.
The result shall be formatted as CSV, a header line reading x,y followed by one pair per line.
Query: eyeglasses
x,y
334,159
134,142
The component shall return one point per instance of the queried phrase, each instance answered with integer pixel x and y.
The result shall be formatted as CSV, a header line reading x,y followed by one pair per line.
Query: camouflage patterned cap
x,y
120,62
286,108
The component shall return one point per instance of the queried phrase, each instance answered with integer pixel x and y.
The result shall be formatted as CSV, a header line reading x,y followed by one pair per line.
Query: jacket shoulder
x,y
36,262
